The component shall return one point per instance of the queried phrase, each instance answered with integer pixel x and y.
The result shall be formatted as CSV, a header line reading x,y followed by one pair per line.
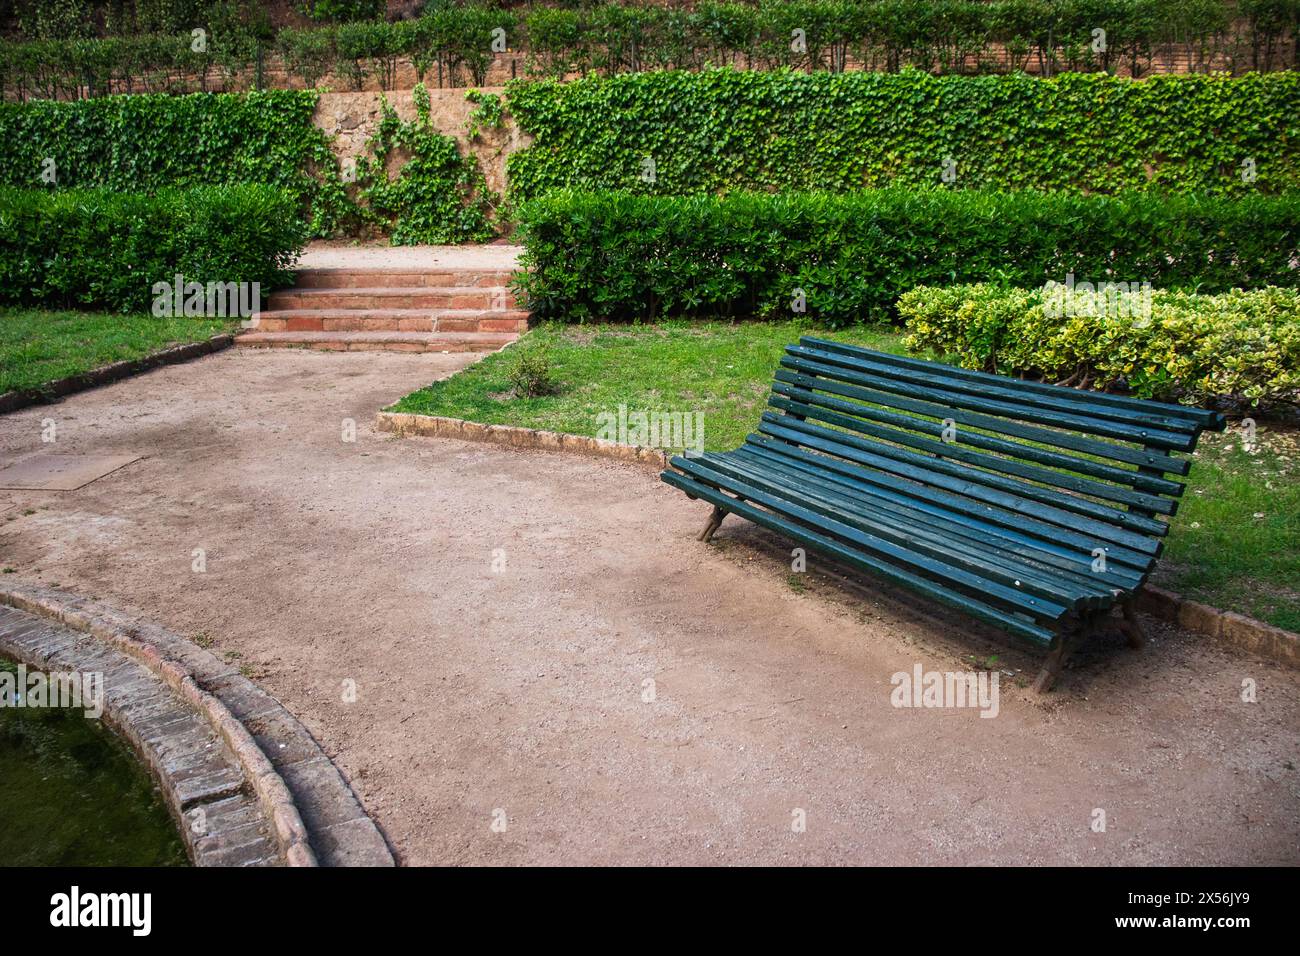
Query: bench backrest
x,y
1080,466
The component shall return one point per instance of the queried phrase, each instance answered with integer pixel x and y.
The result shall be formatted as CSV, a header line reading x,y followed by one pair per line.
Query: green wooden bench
x,y
1036,508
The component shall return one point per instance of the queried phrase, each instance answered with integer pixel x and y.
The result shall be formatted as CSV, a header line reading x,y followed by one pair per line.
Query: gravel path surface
x,y
501,615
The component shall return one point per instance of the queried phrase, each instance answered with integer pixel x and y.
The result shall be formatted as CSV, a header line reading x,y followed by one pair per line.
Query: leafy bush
x,y
342,10
846,258
1240,347
105,249
439,196
730,129
307,54
133,143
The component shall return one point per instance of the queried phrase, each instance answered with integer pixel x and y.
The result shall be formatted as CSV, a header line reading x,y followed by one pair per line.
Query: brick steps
x,y
379,341
398,309
352,278
480,320
391,320
381,297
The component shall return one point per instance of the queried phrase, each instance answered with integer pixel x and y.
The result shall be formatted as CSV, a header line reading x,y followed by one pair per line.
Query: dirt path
x,y
522,688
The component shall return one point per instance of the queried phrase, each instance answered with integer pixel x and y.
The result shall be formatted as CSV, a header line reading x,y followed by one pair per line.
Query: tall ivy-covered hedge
x,y
134,143
681,133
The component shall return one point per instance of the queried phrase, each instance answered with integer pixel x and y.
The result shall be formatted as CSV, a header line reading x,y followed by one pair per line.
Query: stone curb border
x,y
106,374
206,790
1241,631
435,426
337,830
1227,626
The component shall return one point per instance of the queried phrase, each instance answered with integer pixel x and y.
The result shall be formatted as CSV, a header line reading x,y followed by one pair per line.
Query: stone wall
x,y
352,118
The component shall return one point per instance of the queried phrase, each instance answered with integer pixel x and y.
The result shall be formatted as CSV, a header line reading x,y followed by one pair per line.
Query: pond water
x,y
72,793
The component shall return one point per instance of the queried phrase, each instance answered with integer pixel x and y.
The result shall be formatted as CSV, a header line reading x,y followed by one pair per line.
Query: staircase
x,y
398,309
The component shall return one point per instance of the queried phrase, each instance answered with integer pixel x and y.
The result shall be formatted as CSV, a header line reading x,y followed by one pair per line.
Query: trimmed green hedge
x,y
104,249
1242,347
730,129
134,143
609,256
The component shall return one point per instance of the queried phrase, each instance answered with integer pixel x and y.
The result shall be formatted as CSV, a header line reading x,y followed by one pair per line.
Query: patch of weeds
x,y
796,582
532,376
203,640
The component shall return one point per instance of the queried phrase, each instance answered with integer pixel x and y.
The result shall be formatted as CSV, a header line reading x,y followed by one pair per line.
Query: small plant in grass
x,y
532,377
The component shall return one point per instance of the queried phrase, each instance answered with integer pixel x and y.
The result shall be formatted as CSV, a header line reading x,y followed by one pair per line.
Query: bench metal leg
x,y
715,522
1130,626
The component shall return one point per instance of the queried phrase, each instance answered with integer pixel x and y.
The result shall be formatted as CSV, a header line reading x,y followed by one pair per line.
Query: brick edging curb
x,y
1241,631
435,426
106,374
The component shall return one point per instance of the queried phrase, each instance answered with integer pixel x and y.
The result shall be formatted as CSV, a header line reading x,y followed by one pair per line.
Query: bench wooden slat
x,y
1019,626
1153,437
1156,461
1025,603
1031,472
958,509
927,470
938,523
1009,449
1206,419
984,558
1069,401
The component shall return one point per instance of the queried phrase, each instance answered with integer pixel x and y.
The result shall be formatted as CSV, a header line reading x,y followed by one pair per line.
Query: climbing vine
x,y
439,196
488,113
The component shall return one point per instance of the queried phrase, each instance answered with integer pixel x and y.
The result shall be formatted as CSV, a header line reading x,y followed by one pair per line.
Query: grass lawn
x,y
39,347
1235,542
723,371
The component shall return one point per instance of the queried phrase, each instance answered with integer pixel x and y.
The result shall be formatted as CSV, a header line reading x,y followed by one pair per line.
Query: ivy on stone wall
x,y
681,133
141,143
438,196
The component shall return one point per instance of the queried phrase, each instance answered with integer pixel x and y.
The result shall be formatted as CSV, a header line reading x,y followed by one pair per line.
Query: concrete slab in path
x,y
476,632
49,472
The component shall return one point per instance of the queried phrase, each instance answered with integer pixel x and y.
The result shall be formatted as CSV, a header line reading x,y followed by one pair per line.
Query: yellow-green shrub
x,y
1241,347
